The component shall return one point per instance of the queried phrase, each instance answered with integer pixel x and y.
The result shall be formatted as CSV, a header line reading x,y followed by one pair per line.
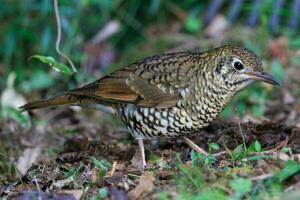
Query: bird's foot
x,y
139,160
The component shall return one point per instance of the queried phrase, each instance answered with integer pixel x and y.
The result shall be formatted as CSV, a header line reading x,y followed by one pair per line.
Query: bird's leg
x,y
142,151
194,146
139,160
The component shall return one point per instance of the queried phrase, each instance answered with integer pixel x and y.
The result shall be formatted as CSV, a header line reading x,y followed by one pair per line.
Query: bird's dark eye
x,y
238,65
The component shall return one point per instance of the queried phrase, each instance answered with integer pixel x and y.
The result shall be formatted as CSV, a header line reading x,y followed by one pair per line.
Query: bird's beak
x,y
263,76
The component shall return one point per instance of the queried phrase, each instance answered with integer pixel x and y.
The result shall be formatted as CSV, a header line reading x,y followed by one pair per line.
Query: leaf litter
x,y
82,160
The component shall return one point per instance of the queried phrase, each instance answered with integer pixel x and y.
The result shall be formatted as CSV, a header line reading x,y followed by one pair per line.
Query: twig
x,y
195,146
200,150
61,183
282,144
242,133
113,169
37,184
133,175
58,39
219,153
262,177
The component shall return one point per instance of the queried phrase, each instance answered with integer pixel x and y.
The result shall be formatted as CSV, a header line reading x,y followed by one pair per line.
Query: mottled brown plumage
x,y
169,94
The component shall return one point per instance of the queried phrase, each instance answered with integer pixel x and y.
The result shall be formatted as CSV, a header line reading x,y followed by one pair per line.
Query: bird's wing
x,y
158,81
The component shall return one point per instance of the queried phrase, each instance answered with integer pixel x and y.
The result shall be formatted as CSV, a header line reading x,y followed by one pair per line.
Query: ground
x,y
76,165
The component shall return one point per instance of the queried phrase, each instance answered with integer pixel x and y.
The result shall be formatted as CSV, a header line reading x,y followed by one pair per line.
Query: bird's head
x,y
237,67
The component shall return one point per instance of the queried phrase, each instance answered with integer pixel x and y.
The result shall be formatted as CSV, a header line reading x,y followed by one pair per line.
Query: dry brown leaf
x,y
145,186
29,156
95,175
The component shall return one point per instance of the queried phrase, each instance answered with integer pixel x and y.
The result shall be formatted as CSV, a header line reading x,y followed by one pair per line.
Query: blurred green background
x,y
101,36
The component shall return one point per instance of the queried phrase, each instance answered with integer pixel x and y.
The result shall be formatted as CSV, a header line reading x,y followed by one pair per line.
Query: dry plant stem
x,y
219,154
62,183
282,144
242,133
58,39
200,150
113,169
195,146
262,177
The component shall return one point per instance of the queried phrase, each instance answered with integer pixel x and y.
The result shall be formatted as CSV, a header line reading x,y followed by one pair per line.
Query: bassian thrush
x,y
169,94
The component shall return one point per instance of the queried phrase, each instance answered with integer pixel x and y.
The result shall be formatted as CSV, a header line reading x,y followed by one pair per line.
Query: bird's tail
x,y
54,101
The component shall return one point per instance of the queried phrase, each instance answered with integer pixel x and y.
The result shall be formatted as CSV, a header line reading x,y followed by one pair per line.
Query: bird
x,y
168,95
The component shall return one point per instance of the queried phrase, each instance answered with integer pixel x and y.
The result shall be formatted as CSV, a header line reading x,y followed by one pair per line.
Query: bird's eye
x,y
238,65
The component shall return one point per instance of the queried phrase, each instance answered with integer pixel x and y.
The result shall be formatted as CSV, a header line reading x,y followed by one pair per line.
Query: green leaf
x,y
258,157
201,159
72,172
258,109
194,157
102,193
238,152
285,149
101,164
289,170
241,185
38,80
192,24
214,146
257,146
164,195
54,64
12,113
211,194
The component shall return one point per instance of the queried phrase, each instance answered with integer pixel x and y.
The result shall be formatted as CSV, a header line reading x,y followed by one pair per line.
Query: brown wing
x,y
154,81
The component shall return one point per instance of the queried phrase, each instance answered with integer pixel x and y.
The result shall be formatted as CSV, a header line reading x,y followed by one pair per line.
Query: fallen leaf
x,y
145,186
28,157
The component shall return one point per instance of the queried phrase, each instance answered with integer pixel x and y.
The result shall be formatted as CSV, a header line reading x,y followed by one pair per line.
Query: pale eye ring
x,y
238,65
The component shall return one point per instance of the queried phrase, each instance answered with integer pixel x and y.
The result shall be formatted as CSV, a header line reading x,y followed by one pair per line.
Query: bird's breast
x,y
197,109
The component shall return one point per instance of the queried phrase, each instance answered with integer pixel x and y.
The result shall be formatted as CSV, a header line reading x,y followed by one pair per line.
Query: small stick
x,y
200,150
263,176
195,146
282,144
113,169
